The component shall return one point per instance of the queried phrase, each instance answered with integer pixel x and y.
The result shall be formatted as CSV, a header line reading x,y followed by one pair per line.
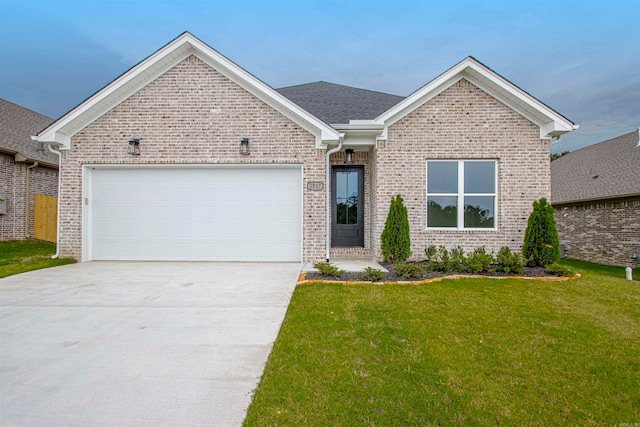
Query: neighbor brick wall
x,y
606,232
463,122
192,114
13,179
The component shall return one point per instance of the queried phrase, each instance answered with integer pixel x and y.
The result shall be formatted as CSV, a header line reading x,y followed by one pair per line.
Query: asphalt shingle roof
x,y
601,171
337,104
17,124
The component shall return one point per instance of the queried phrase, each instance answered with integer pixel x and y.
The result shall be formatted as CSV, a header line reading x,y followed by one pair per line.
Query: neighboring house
x,y
231,169
26,168
596,194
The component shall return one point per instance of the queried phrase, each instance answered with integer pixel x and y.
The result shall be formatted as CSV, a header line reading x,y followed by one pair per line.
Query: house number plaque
x,y
315,186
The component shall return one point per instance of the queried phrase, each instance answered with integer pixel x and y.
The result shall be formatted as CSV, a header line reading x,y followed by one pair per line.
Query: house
x,y
596,195
187,156
26,169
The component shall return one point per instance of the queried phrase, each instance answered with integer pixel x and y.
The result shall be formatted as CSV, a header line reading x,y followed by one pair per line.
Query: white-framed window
x,y
462,194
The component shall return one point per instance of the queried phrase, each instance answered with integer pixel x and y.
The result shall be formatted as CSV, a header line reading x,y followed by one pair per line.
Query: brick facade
x,y
605,231
192,114
13,181
463,122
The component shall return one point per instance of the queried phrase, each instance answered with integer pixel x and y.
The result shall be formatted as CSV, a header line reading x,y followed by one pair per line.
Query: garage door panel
x,y
241,214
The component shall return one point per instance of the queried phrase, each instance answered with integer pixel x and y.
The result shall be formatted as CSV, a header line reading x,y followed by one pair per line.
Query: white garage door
x,y
217,214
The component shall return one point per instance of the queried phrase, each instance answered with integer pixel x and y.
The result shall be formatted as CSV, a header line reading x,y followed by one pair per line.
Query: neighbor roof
x,y
337,104
17,124
609,169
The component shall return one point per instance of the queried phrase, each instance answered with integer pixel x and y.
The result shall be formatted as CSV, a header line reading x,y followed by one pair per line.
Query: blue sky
x,y
581,58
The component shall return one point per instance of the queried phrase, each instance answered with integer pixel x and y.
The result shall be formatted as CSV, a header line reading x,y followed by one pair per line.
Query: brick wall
x,y
13,178
463,122
606,232
193,115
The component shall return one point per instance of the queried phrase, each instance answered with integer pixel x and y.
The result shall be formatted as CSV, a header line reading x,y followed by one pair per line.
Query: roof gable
x,y
61,131
551,123
609,169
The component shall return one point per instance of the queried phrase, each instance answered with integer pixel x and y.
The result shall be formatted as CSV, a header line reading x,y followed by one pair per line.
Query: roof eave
x,y
595,199
551,123
63,129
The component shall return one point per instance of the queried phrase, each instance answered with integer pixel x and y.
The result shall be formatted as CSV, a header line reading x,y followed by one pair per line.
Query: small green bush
x,y
396,242
479,261
458,259
409,270
439,259
328,269
431,252
509,262
372,274
541,243
559,270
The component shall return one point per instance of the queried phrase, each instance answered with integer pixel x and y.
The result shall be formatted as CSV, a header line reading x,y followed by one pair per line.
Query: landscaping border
x,y
302,279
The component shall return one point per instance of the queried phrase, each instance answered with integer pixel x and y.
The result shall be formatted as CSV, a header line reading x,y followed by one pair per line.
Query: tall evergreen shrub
x,y
541,243
396,243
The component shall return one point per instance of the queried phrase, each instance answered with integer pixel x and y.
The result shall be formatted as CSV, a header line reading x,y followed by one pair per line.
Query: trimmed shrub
x,y
372,274
439,259
328,269
396,243
458,259
541,243
409,270
509,262
479,261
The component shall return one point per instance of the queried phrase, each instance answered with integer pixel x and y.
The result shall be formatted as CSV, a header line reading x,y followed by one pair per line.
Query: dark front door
x,y
347,189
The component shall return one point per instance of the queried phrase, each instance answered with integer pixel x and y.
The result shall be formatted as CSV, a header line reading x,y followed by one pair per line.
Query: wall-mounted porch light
x,y
244,146
349,156
134,147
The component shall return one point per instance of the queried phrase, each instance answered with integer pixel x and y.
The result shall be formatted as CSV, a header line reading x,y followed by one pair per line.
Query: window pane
x,y
341,185
479,177
442,211
342,211
442,177
478,212
352,184
352,217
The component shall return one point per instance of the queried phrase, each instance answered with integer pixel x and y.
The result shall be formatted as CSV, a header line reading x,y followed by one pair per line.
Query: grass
x,y
19,256
601,269
457,352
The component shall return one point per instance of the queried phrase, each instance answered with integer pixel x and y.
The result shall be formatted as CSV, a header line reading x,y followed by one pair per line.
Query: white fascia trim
x,y
157,64
324,133
360,133
551,123
130,82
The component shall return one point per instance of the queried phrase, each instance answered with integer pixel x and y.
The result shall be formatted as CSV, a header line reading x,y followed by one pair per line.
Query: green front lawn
x,y
18,256
458,352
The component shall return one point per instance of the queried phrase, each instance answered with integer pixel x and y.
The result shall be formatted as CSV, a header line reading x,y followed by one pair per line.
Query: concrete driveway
x,y
138,343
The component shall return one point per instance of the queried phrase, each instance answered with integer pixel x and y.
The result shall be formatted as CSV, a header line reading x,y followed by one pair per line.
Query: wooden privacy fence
x,y
45,217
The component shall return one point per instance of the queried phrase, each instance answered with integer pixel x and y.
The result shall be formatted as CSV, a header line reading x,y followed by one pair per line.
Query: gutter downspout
x,y
59,154
27,198
328,191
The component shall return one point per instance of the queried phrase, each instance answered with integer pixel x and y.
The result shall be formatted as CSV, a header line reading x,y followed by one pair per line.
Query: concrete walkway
x,y
138,343
349,264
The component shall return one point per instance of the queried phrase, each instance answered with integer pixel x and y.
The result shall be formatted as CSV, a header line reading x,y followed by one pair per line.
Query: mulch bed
x,y
391,276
